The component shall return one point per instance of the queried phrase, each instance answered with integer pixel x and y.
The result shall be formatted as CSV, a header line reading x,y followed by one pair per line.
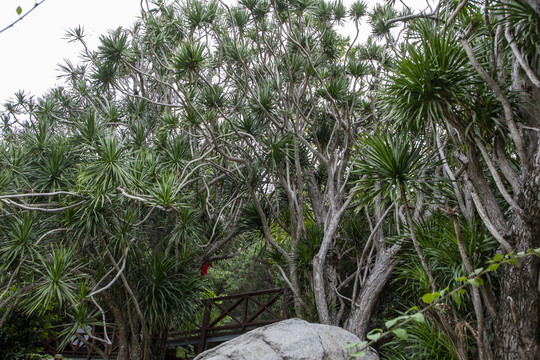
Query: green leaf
x,y
476,282
360,344
419,317
359,354
390,323
19,10
401,333
456,298
463,278
497,257
374,335
428,298
493,267
478,271
521,253
180,352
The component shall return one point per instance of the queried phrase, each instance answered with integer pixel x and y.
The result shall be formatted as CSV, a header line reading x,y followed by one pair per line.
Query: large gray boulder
x,y
292,339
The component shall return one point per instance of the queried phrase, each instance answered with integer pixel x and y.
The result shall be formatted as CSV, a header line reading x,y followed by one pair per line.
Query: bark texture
x,y
361,311
516,326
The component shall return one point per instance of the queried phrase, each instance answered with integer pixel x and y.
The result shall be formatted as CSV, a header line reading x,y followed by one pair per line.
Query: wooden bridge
x,y
218,320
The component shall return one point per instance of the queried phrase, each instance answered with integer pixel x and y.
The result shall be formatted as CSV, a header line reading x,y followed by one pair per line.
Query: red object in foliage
x,y
204,268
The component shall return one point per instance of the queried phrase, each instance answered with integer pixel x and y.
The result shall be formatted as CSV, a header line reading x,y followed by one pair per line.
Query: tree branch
x,y
22,16
530,73
485,218
411,17
14,196
508,113
497,178
9,202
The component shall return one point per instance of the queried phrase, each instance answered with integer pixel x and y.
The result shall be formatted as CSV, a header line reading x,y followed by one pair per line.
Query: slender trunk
x,y
319,263
332,270
154,345
415,240
295,284
319,289
444,321
123,342
477,302
135,349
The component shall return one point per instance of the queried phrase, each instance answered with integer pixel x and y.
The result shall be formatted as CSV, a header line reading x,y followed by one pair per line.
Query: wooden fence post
x,y
285,304
204,327
244,315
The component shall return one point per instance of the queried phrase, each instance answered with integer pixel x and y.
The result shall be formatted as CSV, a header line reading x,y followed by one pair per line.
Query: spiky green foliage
x,y
424,341
388,163
429,81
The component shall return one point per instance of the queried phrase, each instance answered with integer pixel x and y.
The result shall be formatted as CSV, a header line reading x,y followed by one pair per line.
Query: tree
x,y
107,213
277,98
469,81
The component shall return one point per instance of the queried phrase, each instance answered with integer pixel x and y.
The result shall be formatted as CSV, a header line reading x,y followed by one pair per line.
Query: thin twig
x,y
22,16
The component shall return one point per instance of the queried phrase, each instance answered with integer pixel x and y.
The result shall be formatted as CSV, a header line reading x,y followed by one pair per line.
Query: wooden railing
x,y
222,317
235,314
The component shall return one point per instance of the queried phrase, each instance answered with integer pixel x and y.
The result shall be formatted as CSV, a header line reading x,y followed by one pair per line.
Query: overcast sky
x,y
31,50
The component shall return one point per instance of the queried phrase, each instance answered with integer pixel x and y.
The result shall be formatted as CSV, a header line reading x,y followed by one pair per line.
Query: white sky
x,y
31,50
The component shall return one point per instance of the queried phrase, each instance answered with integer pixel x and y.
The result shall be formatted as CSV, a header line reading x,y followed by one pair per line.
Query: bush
x,y
22,335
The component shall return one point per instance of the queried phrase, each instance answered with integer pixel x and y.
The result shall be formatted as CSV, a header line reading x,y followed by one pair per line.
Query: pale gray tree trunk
x,y
362,309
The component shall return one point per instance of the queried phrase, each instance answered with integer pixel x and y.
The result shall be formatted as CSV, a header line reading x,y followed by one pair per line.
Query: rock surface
x,y
292,339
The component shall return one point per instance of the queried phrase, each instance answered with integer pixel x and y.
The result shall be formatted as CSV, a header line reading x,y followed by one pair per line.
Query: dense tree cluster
x,y
389,167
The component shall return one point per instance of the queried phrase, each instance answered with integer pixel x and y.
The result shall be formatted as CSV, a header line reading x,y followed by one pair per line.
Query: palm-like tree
x,y
395,168
89,207
453,83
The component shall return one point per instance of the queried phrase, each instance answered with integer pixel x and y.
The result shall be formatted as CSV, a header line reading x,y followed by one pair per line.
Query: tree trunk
x,y
293,275
320,266
123,342
477,302
362,309
135,349
155,345
515,329
415,241
121,324
319,290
